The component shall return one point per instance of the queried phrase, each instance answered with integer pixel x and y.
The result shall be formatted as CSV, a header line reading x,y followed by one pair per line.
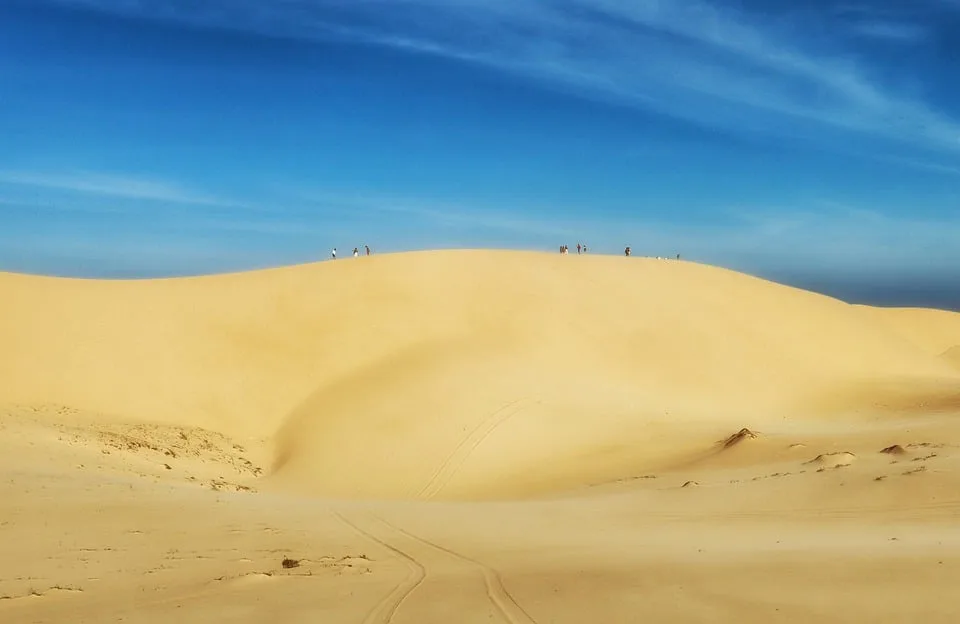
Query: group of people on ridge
x,y
581,249
356,252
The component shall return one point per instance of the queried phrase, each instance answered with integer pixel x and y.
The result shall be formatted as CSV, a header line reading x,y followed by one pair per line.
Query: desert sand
x,y
474,436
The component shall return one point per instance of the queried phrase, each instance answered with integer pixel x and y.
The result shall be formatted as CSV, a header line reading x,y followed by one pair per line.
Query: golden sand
x,y
474,436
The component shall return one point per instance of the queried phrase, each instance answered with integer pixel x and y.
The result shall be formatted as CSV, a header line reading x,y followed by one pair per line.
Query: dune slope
x,y
465,373
935,331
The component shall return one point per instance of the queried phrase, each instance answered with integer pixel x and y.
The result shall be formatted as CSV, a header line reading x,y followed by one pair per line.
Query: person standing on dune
x,y
334,253
367,248
356,252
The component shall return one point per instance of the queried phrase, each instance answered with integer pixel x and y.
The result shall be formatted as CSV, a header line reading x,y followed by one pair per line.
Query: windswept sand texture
x,y
474,437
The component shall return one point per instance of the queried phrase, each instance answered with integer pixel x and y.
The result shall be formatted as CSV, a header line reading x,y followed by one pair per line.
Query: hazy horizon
x,y
895,292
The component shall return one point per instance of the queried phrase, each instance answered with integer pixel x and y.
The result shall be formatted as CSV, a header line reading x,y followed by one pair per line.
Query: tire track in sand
x,y
503,601
386,609
454,462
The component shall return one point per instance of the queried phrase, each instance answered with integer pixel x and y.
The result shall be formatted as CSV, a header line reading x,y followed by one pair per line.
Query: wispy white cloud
x,y
435,212
904,32
709,62
104,194
112,185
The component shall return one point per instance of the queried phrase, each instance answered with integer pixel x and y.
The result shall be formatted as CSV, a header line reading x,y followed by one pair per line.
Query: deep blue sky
x,y
816,143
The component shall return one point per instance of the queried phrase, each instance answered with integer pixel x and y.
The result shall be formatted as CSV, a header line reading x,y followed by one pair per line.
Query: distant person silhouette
x,y
356,252
367,247
578,249
334,253
626,252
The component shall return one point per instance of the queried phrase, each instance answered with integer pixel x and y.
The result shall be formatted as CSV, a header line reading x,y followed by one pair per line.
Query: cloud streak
x,y
112,185
437,213
707,62
892,31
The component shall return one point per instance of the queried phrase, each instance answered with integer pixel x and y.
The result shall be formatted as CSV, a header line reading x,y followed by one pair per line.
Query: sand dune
x,y
562,370
581,393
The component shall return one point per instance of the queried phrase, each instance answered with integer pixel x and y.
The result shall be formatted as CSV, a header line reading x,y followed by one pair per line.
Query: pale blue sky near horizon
x,y
815,144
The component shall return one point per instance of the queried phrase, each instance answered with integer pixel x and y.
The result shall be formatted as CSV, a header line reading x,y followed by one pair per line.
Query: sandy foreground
x,y
469,436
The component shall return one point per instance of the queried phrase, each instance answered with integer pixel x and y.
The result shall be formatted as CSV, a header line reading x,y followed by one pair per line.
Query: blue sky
x,y
816,143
